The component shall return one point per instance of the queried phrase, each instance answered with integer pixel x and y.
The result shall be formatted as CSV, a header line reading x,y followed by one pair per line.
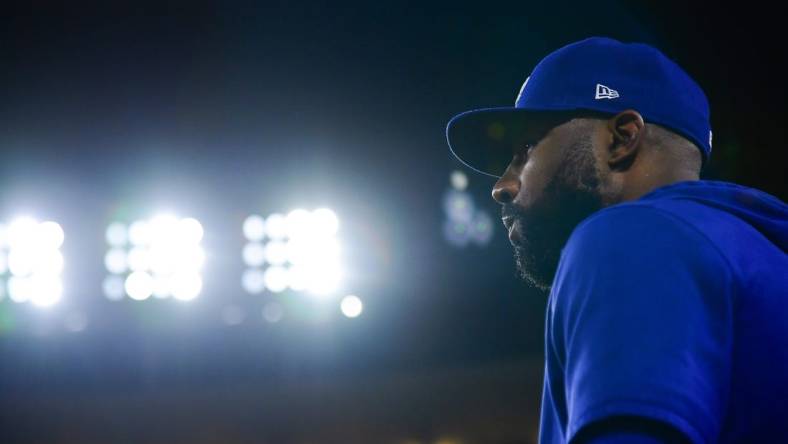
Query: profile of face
x,y
548,188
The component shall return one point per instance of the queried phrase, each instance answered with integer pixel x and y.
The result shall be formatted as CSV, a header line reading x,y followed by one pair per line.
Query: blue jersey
x,y
673,308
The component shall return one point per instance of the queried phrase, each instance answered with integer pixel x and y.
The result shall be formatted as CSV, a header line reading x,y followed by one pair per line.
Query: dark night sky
x,y
228,110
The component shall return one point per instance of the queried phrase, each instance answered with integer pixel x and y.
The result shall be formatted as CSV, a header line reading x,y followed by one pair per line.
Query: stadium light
x,y
159,257
31,262
351,306
298,251
459,181
464,223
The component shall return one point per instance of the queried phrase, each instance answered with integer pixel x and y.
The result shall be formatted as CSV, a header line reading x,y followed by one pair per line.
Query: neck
x,y
648,176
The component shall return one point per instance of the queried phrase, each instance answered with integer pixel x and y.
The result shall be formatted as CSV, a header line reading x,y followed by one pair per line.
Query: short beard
x,y
571,195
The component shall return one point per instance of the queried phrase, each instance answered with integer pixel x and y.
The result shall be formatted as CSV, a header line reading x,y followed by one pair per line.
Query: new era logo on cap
x,y
604,92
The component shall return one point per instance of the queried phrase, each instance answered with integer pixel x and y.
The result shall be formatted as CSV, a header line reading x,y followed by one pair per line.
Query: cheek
x,y
535,176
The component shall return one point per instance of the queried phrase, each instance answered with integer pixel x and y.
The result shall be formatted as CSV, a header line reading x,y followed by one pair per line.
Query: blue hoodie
x,y
673,308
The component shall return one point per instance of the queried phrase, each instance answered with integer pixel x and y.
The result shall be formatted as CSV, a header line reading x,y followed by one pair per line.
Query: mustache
x,y
512,210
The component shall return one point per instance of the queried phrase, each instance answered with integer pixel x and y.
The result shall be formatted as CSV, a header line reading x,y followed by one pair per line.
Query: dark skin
x,y
579,165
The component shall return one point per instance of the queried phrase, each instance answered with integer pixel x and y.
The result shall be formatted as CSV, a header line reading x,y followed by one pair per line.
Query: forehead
x,y
534,131
542,124
549,126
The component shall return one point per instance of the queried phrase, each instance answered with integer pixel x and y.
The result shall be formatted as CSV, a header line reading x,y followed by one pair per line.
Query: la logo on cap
x,y
604,92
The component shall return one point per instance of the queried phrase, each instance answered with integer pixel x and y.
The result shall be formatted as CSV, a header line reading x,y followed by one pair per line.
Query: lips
x,y
513,227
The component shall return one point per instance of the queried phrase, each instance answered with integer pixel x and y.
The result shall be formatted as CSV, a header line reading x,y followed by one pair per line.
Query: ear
x,y
628,132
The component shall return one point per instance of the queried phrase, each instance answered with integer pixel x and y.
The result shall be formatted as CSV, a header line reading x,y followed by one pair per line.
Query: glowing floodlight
x,y
139,285
254,228
351,306
30,254
276,226
301,253
117,234
163,257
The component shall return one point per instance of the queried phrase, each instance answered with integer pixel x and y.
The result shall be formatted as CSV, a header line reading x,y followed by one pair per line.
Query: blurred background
x,y
240,222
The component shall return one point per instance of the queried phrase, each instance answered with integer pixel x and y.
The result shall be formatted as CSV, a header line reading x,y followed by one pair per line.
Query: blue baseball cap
x,y
593,75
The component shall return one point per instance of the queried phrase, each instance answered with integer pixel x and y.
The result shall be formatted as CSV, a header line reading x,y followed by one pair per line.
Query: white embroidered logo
x,y
709,140
604,92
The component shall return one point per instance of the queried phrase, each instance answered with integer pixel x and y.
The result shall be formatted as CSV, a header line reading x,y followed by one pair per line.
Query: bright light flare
x,y
275,279
325,222
115,261
190,230
113,287
117,234
254,254
139,285
302,253
458,205
299,223
254,228
459,181
253,281
164,258
33,258
276,226
186,286
50,234
351,306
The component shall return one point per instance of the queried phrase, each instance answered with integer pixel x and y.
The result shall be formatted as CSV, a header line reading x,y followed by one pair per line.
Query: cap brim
x,y
485,139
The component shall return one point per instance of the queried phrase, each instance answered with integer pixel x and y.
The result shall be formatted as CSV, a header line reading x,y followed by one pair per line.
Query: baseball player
x,y
667,318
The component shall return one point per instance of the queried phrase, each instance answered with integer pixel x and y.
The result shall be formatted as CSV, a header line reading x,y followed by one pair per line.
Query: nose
x,y
506,189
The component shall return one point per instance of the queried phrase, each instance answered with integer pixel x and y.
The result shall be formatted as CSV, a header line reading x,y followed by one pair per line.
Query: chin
x,y
538,274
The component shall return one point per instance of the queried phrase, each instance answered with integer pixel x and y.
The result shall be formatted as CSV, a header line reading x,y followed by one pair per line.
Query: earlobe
x,y
628,130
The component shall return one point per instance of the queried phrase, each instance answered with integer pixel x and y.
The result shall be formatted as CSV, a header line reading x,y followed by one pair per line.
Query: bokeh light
x,y
115,261
459,180
116,234
185,286
301,253
163,257
253,281
31,262
113,287
275,278
275,226
139,285
254,228
481,228
325,222
464,222
351,306
254,254
273,312
458,205
457,233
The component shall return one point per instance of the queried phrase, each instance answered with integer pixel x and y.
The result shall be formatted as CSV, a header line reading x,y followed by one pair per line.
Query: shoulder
x,y
637,245
636,224
641,309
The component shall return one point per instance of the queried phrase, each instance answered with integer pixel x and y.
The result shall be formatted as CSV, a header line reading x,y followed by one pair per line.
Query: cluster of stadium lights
x,y
299,251
162,257
464,223
31,261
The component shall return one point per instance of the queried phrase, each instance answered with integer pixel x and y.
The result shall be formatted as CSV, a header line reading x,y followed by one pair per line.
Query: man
x,y
667,319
